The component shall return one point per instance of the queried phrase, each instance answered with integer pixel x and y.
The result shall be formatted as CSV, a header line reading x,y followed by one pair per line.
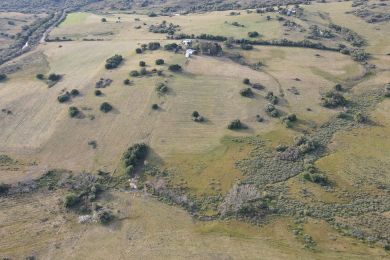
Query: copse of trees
x,y
142,63
114,61
246,92
235,125
134,157
210,48
54,77
73,111
154,46
333,99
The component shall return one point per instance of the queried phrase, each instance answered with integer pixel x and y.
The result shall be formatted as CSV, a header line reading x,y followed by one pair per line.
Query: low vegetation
x,y
113,62
134,157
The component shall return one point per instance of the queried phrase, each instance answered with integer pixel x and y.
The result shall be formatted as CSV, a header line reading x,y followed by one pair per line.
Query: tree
x,y
74,92
134,73
104,20
154,46
71,200
235,124
138,50
154,106
73,111
253,34
142,63
160,62
98,92
54,77
3,77
246,92
246,81
40,76
175,68
210,48
114,61
126,82
105,107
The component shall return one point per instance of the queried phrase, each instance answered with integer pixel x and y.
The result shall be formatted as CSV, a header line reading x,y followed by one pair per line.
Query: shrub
x,y
74,92
246,92
246,47
98,92
272,98
387,90
154,106
235,125
253,34
338,87
54,77
134,156
3,77
126,82
64,97
4,188
160,62
104,20
40,76
73,111
105,107
104,216
134,73
154,46
359,55
292,117
360,118
246,81
210,48
197,117
138,50
316,178
333,99
171,46
161,88
114,61
71,200
142,63
175,68
143,72
152,14
195,114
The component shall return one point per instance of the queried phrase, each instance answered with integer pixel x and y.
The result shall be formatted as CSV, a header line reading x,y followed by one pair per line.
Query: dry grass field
x,y
39,135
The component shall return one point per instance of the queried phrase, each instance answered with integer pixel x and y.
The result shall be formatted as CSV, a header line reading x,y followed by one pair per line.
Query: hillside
x,y
269,140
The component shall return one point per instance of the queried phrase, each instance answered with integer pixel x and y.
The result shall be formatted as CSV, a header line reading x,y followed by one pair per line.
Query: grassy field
x,y
39,135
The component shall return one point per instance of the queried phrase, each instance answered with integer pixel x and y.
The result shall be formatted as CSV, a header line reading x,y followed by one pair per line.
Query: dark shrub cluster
x,y
172,47
246,46
74,111
359,55
71,200
161,88
4,188
246,92
289,120
253,34
349,35
114,61
142,63
160,62
40,76
75,92
387,90
317,178
54,77
154,46
197,117
98,92
235,125
210,48
134,157
175,68
64,97
272,98
164,27
333,99
105,107
246,81
271,110
102,83
3,77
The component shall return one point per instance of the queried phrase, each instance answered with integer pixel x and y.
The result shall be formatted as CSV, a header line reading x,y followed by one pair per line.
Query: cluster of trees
x,y
315,32
73,111
134,157
172,47
150,46
67,95
246,92
161,88
114,61
273,99
210,48
271,110
235,125
175,68
333,99
289,120
253,34
349,35
164,27
359,55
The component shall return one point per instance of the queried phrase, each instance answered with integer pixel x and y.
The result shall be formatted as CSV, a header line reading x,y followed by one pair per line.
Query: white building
x,y
189,52
187,42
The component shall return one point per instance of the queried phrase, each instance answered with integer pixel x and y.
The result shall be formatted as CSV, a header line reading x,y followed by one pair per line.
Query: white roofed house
x,y
187,42
189,52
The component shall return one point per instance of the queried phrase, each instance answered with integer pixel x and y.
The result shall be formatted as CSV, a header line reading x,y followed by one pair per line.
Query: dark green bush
x,y
134,73
98,92
160,62
114,61
246,47
253,34
40,76
246,92
4,188
54,77
338,87
154,106
272,98
74,92
126,82
175,68
246,81
161,88
333,99
138,50
235,125
154,46
3,77
64,97
71,200
73,111
104,20
142,63
134,157
105,107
